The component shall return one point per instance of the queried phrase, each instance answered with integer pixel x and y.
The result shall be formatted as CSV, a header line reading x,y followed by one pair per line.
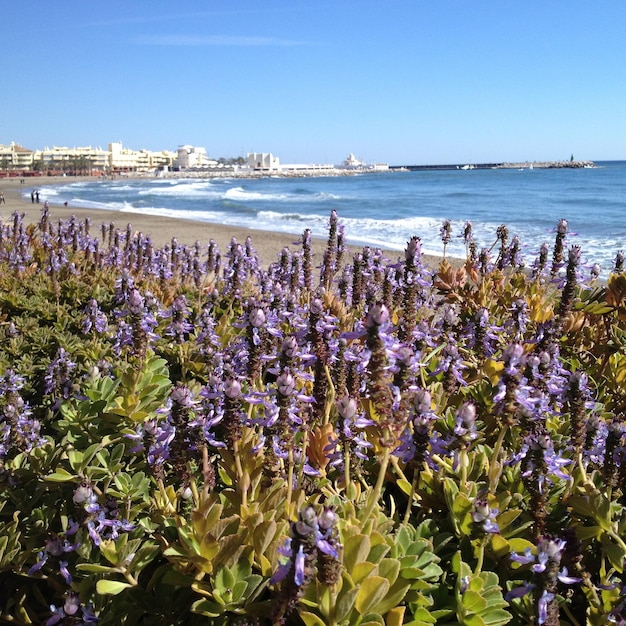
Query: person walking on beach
x,y
2,199
32,196
37,197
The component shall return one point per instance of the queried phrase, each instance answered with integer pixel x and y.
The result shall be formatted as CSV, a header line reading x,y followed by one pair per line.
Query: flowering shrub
x,y
187,437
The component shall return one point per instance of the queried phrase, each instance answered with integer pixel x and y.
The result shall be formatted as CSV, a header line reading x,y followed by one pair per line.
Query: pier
x,y
540,165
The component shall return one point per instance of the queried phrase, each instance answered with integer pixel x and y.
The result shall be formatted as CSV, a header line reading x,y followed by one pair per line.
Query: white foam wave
x,y
190,190
239,193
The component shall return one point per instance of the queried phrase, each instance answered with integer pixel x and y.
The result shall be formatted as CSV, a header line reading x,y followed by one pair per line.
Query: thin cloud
x,y
213,40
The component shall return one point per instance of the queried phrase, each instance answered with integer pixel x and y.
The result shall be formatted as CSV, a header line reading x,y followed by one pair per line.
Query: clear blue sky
x,y
396,81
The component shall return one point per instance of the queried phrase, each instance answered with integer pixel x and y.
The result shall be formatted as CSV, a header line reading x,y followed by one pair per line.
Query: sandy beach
x,y
161,229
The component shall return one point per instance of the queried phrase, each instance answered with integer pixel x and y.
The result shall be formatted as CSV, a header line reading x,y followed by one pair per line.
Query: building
x,y
352,163
308,168
123,159
15,157
192,157
86,160
263,161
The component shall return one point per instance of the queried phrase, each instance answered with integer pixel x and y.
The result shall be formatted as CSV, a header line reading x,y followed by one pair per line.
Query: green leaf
x,y
95,568
206,607
473,602
356,550
111,587
519,545
588,532
60,476
75,457
422,617
224,579
310,619
404,485
500,546
345,601
393,598
473,620
361,571
496,617
389,569
371,592
613,551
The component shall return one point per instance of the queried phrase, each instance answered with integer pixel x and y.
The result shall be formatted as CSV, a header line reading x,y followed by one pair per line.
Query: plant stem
x,y
409,506
243,484
378,487
495,469
289,481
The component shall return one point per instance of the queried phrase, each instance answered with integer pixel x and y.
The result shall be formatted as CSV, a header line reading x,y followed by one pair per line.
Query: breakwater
x,y
494,166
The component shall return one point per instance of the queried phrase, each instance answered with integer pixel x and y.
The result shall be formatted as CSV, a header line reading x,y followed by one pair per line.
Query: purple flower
x,y
94,318
544,601
377,316
74,610
179,326
102,520
485,516
55,547
19,431
298,575
312,537
446,232
545,565
58,380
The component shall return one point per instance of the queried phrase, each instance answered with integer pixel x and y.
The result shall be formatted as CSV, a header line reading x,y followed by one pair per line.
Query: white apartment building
x,y
14,157
62,158
265,161
193,157
87,159
123,159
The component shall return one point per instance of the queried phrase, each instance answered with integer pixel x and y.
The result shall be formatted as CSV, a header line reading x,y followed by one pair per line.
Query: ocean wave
x,y
271,216
194,215
95,204
387,210
190,190
239,193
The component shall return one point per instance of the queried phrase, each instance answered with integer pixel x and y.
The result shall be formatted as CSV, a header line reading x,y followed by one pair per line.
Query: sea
x,y
386,209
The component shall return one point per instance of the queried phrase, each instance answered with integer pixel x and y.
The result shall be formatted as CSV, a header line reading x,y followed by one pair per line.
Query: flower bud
x,y
574,255
327,519
232,388
256,317
82,494
347,407
413,249
289,347
422,401
377,315
286,384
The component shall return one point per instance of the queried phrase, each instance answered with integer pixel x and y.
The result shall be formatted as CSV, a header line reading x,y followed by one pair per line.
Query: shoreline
x,y
268,244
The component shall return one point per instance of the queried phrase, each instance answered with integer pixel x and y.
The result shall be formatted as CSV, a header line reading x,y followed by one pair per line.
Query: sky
x,y
392,81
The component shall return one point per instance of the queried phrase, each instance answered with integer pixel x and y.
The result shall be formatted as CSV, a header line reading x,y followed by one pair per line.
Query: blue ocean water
x,y
387,209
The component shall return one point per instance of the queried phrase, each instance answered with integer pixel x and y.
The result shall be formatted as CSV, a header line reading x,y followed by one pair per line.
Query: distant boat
x,y
467,167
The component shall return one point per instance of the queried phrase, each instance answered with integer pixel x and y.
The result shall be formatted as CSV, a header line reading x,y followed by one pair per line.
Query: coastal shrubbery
x,y
187,437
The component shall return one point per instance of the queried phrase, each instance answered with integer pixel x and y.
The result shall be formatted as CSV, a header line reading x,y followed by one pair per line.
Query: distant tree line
x,y
231,161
